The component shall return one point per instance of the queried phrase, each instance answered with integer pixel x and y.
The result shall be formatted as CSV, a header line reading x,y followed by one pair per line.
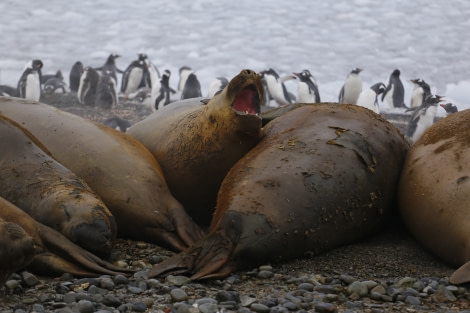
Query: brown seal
x,y
196,145
119,169
434,192
51,193
323,175
49,252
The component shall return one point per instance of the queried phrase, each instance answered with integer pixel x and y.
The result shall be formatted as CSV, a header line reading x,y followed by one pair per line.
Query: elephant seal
x,y
434,192
323,175
197,144
43,249
119,169
16,249
51,193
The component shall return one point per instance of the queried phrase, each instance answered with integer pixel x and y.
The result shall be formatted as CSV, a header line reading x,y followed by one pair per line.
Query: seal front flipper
x,y
461,275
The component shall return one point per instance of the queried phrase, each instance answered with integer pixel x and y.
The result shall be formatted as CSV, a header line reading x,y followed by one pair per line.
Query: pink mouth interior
x,y
244,101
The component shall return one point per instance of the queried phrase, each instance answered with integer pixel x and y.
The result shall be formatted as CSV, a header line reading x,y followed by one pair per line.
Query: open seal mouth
x,y
247,101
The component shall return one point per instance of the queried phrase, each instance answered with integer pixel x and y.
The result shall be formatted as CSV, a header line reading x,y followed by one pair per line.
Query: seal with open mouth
x,y
196,144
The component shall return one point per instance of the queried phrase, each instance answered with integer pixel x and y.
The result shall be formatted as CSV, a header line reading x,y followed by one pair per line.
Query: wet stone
x,y
29,279
139,307
208,308
85,306
358,288
324,307
261,308
178,295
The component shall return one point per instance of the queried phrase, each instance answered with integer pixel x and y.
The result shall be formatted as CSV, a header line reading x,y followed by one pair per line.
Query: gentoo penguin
x,y
216,86
422,117
74,77
8,91
117,123
55,85
162,91
45,78
184,72
351,88
368,97
29,85
151,73
276,88
88,85
394,93
421,91
449,107
109,67
133,77
307,88
192,87
106,91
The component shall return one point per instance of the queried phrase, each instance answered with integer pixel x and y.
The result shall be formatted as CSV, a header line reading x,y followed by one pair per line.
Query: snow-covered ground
x,y
425,39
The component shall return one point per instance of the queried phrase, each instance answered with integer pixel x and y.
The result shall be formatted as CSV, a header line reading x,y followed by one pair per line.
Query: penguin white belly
x,y
425,121
416,98
276,91
133,81
304,95
389,97
367,99
33,87
352,89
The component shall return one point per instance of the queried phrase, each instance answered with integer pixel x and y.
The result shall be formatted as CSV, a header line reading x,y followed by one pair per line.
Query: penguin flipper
x,y
341,95
387,89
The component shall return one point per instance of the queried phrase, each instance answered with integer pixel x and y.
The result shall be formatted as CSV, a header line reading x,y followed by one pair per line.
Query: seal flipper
x,y
461,275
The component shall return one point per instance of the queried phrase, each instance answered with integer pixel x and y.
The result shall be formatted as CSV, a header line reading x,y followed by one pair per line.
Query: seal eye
x,y
247,101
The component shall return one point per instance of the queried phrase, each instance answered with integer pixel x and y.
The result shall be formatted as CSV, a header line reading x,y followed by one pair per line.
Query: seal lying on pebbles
x,y
323,175
434,192
120,170
196,145
51,193
52,252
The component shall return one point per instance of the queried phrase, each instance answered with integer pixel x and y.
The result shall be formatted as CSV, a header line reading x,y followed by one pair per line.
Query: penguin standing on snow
x,y
422,117
217,85
192,87
162,91
88,85
276,88
307,88
368,97
106,91
133,77
74,77
421,91
29,84
394,93
351,88
109,67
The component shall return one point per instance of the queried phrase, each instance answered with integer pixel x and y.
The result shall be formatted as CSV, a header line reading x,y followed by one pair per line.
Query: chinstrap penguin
x,y
307,88
394,93
276,88
422,117
29,84
74,76
368,97
351,88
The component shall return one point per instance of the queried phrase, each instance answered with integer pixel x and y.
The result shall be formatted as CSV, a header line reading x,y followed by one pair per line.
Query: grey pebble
x,y
178,295
358,288
208,307
258,307
139,307
85,306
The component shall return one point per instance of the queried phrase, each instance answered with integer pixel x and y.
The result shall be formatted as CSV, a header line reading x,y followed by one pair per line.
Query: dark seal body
x,y
434,191
323,175
50,192
120,170
197,144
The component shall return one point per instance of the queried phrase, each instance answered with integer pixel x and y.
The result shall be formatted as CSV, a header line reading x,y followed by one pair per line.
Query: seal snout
x,y
96,237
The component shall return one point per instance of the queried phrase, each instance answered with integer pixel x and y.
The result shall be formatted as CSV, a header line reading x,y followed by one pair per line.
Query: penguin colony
x,y
142,83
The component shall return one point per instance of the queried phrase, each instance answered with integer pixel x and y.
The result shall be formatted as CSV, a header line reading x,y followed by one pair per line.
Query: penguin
x,y
55,85
368,97
449,107
307,88
140,96
216,86
351,88
8,91
117,123
394,93
276,88
133,77
421,91
74,77
192,87
422,117
162,92
109,67
184,72
29,84
106,91
88,85
45,78
151,74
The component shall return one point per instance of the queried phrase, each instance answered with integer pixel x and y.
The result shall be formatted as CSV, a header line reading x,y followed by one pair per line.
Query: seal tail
x,y
208,258
461,275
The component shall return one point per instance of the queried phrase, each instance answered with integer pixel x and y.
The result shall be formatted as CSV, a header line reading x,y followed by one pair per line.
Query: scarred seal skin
x,y
51,193
196,144
434,192
120,170
41,249
323,175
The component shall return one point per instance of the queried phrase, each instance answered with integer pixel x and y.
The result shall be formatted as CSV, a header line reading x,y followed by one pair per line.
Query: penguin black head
x,y
271,72
303,76
449,107
142,56
396,73
112,57
356,70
